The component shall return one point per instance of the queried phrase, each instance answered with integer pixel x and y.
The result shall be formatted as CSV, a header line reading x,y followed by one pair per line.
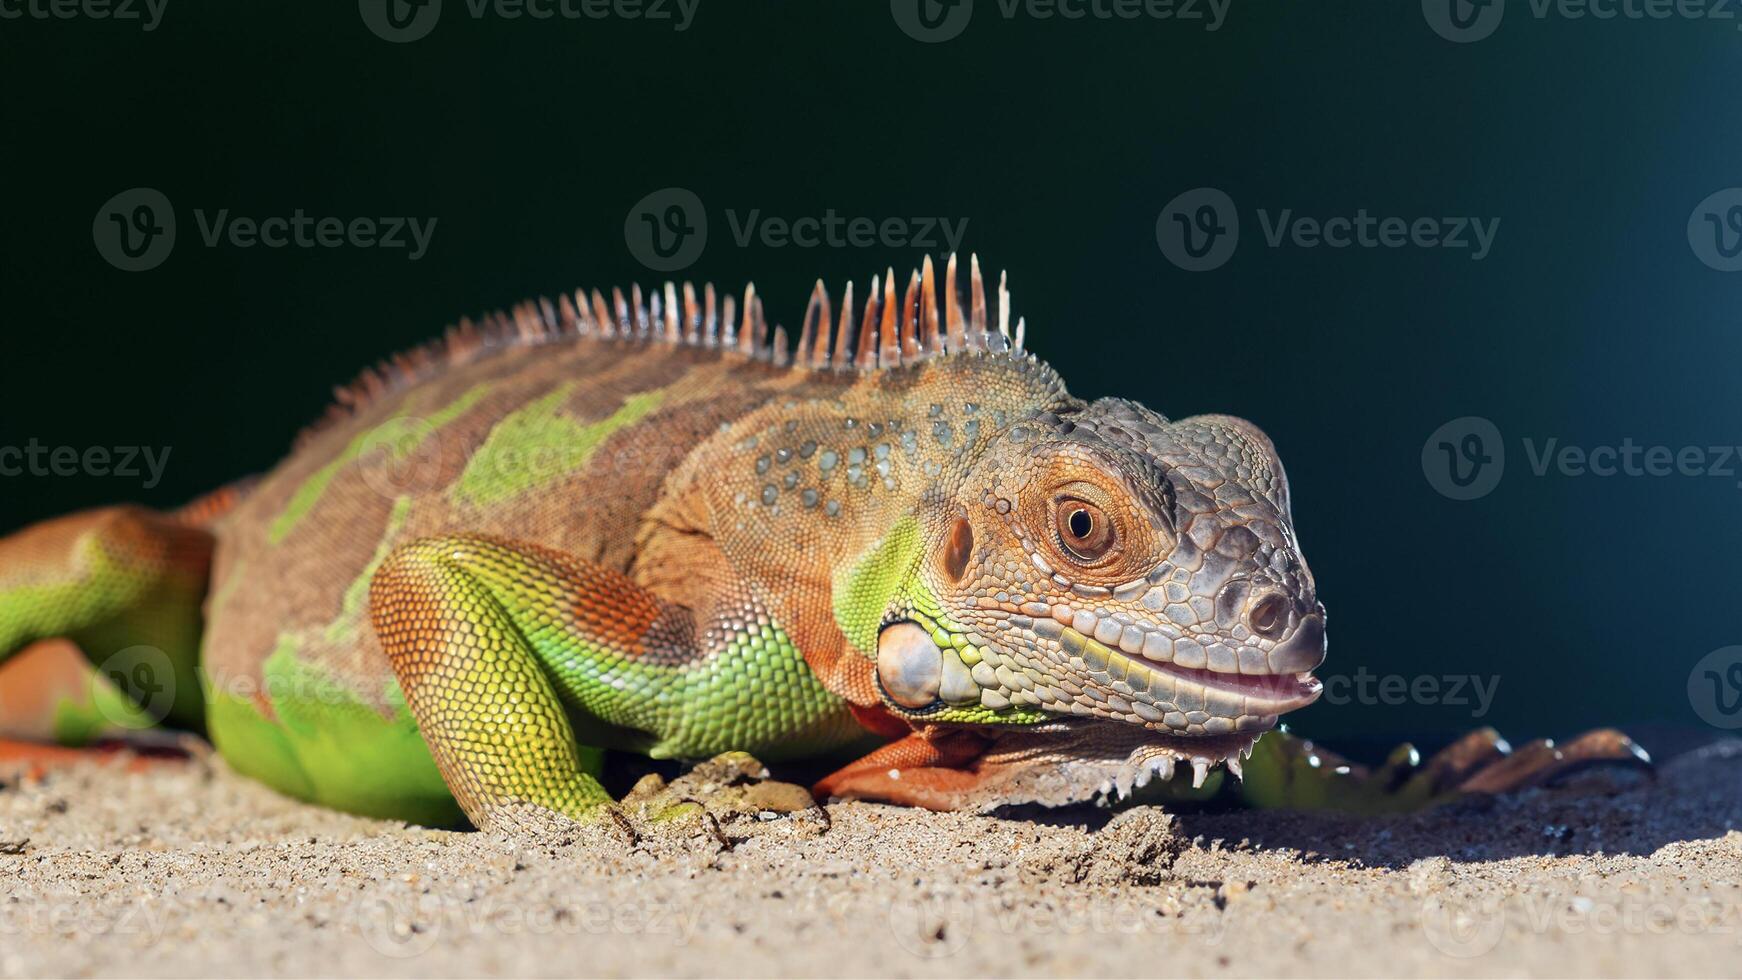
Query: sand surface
x,y
189,869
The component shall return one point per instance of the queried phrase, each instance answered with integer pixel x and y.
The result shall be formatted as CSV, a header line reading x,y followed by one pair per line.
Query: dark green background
x,y
1060,141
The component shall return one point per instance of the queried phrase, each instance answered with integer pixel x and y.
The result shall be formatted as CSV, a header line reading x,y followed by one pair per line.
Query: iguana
x,y
649,524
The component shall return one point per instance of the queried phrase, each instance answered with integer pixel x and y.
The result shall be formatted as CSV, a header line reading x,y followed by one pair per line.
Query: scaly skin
x,y
647,527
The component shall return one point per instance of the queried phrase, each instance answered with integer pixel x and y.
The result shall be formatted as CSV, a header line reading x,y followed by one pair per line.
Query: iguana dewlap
x,y
648,526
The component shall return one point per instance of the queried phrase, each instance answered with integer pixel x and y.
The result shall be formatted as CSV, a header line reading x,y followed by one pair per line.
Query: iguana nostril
x,y
1268,617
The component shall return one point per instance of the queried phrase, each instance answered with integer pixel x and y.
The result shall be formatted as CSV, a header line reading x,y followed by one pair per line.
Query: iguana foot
x,y
1501,769
715,800
968,769
1293,773
929,768
942,768
729,788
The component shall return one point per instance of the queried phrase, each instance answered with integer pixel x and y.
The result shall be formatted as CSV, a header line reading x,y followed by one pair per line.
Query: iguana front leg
x,y
457,618
503,648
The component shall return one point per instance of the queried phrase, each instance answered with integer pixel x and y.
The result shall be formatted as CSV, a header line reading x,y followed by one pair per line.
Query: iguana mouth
x,y
1274,693
1244,702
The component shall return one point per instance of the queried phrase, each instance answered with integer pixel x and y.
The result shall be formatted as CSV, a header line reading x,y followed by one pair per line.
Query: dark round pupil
x,y
1080,523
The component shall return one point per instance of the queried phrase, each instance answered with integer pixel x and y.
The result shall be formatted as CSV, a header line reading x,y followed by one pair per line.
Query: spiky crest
x,y
890,330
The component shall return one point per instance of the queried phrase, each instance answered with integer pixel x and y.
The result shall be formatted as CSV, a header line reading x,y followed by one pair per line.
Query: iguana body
x,y
608,524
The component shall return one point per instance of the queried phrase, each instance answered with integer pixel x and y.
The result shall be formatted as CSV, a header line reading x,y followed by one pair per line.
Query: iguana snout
x,y
1111,564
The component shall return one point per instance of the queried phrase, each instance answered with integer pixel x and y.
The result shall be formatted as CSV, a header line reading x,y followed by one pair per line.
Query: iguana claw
x,y
728,788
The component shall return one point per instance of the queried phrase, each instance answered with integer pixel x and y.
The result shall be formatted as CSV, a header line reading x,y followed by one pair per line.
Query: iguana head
x,y
1113,589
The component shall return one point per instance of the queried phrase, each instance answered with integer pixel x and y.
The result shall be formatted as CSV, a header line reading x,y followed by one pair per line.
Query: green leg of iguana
x,y
126,585
503,648
453,618
1292,773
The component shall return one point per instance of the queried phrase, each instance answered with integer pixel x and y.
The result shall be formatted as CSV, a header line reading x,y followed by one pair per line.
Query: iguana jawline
x,y
1274,694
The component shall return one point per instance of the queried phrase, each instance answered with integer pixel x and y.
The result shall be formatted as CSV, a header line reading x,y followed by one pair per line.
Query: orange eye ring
x,y
1084,531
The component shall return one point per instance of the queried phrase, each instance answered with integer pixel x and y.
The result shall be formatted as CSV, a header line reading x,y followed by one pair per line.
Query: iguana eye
x,y
1083,530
